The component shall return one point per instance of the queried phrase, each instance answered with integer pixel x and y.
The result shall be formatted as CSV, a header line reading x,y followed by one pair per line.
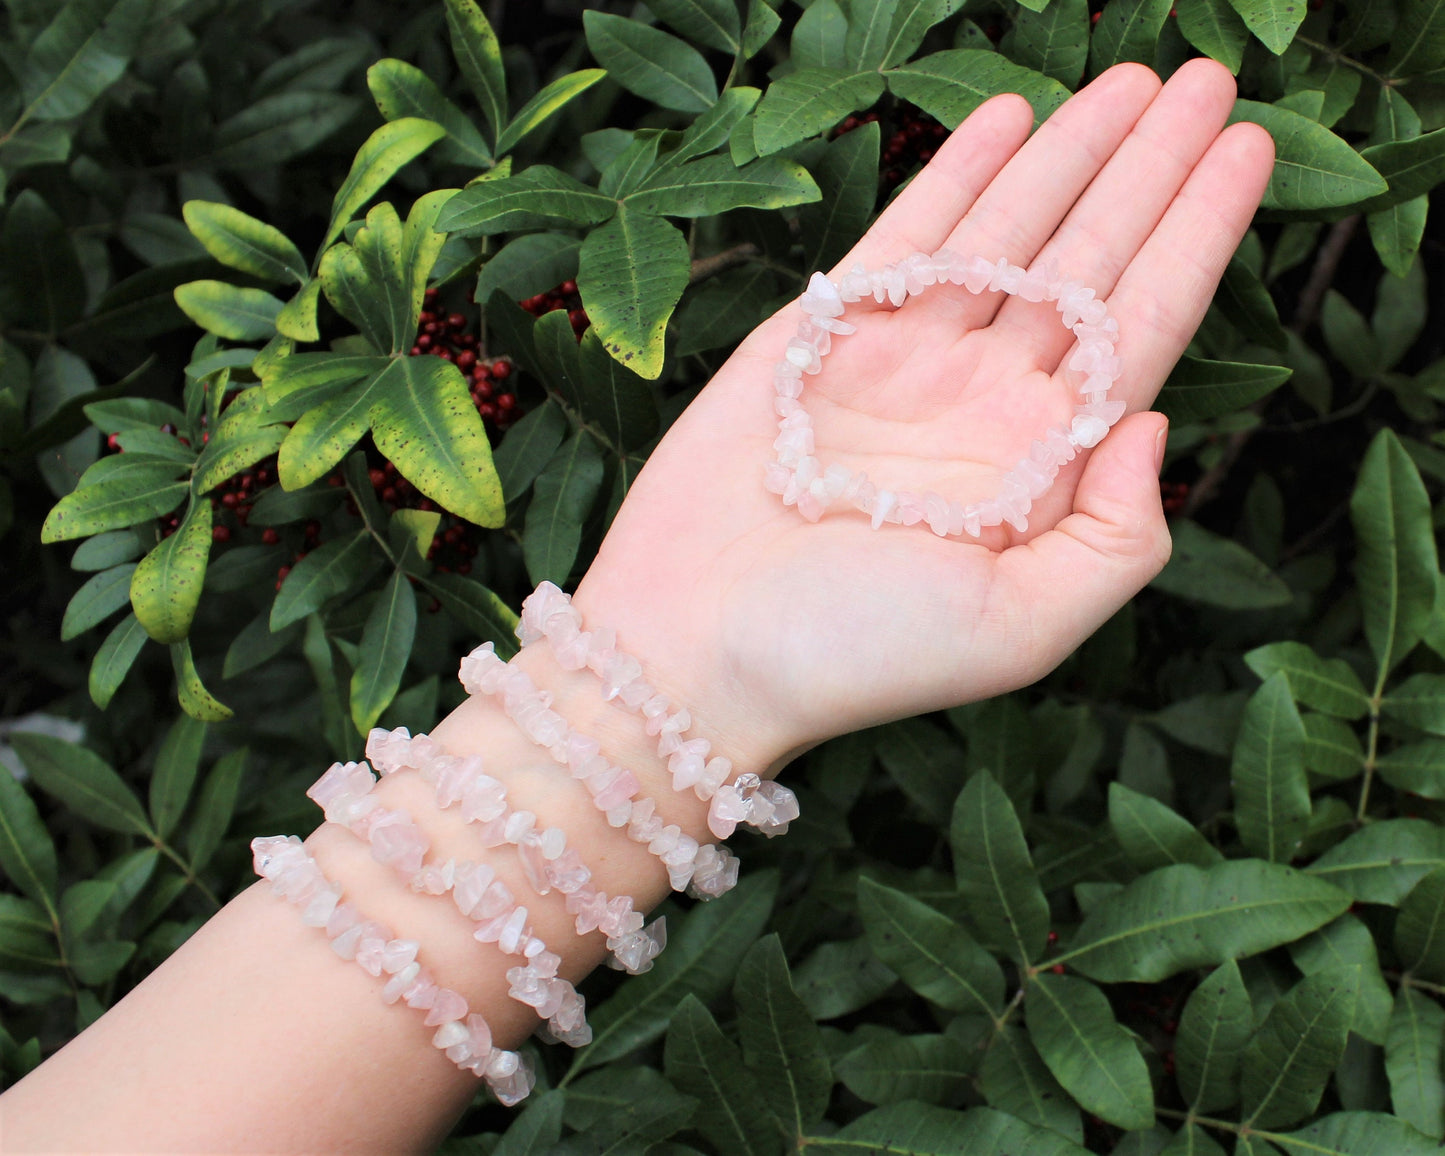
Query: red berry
x,y
168,428
113,442
220,533
465,360
415,351
482,390
230,500
487,410
456,321
506,402
281,573
377,477
502,370
568,287
432,294
270,536
205,437
313,529
1057,969
578,317
388,495
467,340
424,342
335,482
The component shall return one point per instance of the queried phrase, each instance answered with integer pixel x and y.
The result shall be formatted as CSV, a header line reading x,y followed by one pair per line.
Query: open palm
x,y
781,633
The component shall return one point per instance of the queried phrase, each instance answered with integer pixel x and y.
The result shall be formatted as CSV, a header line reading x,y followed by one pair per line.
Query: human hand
x,y
779,633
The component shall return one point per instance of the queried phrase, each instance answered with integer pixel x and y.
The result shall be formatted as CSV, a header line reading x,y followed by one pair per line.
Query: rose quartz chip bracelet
x,y
703,869
546,860
768,807
802,480
344,793
461,1034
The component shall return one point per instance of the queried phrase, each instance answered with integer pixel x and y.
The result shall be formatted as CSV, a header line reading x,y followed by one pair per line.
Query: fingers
x,y
1126,200
1064,584
1161,297
925,212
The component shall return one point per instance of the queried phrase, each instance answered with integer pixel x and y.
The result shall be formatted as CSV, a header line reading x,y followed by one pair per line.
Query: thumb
x,y
1068,581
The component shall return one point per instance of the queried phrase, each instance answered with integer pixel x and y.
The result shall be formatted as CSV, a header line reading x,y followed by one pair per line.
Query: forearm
x,y
254,1036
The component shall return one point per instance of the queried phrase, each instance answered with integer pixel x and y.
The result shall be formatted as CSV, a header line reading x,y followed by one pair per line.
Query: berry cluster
x,y
1173,496
908,142
563,296
449,336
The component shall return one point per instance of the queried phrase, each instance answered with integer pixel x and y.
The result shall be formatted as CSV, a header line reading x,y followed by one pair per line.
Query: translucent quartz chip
x,y
821,298
803,355
1106,411
972,523
1034,479
816,336
447,1006
398,955
834,326
1007,277
1033,285
318,910
883,503
369,952
386,750
398,984
854,285
567,873
1087,431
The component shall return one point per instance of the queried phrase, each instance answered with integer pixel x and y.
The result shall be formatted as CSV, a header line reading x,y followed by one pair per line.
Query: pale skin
x,y
777,633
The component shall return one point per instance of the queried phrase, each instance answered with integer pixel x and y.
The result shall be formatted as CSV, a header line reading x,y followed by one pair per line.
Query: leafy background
x,y
326,334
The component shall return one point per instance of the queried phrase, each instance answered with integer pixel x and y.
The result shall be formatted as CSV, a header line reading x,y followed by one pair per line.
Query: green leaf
x,y
807,101
847,175
1217,571
166,587
324,434
1348,336
1217,1022
614,397
549,100
711,22
26,935
1380,863
1331,748
840,977
1419,41
780,1041
331,569
869,22
475,46
538,195
1055,40
1285,1066
239,240
215,807
231,450
1153,835
762,23
114,659
724,309
79,54
712,185
477,609
702,1062
256,644
278,127
177,762
297,319
1313,168
631,274
995,875
923,1130
370,284
820,37
1417,768
1128,30
536,1129
403,90
1275,22
1420,928
106,550
924,761
1244,299
83,781
423,419
930,952
1356,1134
27,852
97,600
1096,1061
42,285
1411,167
1192,1140
1328,685
1271,794
386,644
1419,701
701,959
1347,942
229,311
910,24
384,153
649,62
1184,916
1215,28
1015,1079
951,84
711,130
1412,1060
529,265
191,692
562,496
931,1069
1198,390
116,492
528,446
1396,562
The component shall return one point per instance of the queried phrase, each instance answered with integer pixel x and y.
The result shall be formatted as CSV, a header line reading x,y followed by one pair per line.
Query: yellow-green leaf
x,y
228,310
241,241
166,587
194,698
384,153
551,99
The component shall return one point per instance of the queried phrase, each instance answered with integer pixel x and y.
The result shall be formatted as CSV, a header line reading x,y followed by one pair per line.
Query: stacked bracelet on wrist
x,y
704,870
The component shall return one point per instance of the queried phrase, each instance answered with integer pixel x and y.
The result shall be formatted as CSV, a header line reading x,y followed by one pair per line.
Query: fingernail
x,y
1160,439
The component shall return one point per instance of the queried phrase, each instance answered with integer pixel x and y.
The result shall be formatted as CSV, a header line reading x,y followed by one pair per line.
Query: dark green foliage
x,y
1186,894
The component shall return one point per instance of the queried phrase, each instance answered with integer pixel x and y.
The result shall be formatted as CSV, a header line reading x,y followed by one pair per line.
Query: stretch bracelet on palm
x,y
802,480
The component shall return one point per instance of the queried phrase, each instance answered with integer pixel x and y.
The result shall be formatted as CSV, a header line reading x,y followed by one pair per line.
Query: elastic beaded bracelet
x,y
801,480
462,1035
703,870
546,859
766,806
343,793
